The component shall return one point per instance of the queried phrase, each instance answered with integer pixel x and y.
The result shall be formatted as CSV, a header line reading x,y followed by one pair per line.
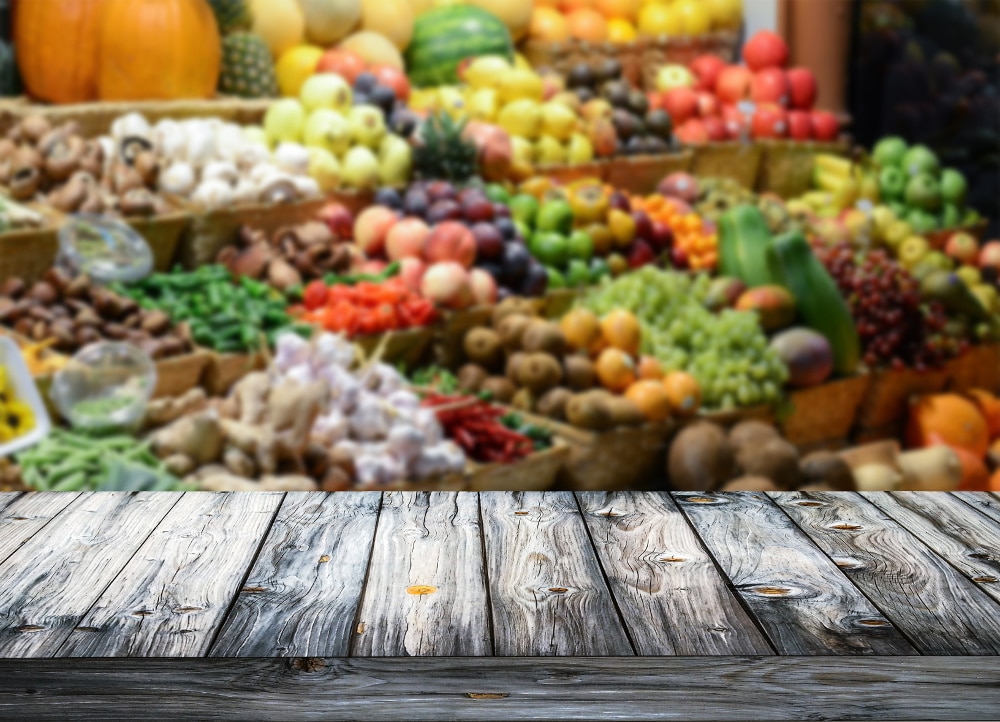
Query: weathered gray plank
x,y
301,596
24,516
937,608
474,689
8,497
984,502
170,599
548,594
968,541
671,595
803,601
48,584
426,594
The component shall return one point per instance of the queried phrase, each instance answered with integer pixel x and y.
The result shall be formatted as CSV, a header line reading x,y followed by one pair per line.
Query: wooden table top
x,y
519,605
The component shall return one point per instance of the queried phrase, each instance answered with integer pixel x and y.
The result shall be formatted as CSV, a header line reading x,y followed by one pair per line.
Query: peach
x,y
411,271
372,227
406,239
447,284
484,287
451,241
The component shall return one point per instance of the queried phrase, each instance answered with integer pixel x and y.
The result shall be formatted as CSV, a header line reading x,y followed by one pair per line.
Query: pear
x,y
549,151
558,121
367,125
360,168
324,168
395,161
580,150
521,117
522,156
284,121
329,130
570,99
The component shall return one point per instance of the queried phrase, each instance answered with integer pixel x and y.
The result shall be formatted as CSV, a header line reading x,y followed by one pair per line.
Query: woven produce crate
x,y
178,375
537,472
977,368
566,174
408,347
641,174
883,411
657,52
823,416
222,371
163,234
28,253
730,159
732,417
563,57
786,168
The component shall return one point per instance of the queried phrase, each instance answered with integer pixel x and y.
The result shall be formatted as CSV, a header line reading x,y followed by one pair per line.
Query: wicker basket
x,y
824,415
885,404
178,375
163,234
537,472
224,370
642,174
563,57
566,174
28,253
734,416
977,368
731,159
657,52
407,347
786,168
453,327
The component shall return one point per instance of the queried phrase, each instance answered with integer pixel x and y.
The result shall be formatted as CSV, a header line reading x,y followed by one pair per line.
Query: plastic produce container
x,y
103,249
26,391
105,387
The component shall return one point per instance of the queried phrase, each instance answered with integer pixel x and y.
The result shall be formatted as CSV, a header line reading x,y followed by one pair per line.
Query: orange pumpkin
x,y
950,418
58,48
158,50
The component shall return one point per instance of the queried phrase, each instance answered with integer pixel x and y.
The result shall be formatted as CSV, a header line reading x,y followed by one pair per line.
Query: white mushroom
x,y
245,191
221,170
170,139
200,148
131,125
179,179
292,158
213,194
306,187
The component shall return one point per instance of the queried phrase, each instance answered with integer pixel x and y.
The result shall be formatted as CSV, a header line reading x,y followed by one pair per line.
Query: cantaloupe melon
x,y
390,18
330,21
419,7
374,48
280,22
515,14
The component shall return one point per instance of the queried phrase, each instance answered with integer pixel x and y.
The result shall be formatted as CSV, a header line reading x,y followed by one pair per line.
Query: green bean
x,y
73,482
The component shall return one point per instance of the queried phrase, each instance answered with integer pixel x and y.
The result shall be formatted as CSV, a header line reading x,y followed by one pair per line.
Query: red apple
x,y
663,236
641,254
824,125
769,121
799,125
339,219
372,227
765,50
735,122
708,105
682,186
715,128
450,241
393,78
803,88
344,63
989,255
733,84
681,104
706,69
406,239
770,85
692,131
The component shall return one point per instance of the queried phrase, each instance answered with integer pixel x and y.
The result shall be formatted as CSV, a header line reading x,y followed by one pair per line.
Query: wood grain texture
x,y
9,497
608,688
548,593
302,594
983,502
426,594
802,600
671,595
170,599
937,608
969,542
24,516
54,578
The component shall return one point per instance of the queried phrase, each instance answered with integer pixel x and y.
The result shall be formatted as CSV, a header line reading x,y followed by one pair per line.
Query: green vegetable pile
x,y
539,435
67,461
224,315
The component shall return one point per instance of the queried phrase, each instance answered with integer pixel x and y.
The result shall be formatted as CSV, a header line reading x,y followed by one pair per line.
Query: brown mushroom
x,y
137,202
64,158
13,287
92,160
251,261
72,195
125,178
25,181
282,275
147,166
93,202
35,127
131,147
155,323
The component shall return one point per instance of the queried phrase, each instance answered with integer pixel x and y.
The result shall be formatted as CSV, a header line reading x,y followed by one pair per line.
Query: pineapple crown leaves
x,y
444,153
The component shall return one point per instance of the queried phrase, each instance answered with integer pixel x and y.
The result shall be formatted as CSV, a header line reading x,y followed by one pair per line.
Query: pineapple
x,y
231,15
247,67
443,153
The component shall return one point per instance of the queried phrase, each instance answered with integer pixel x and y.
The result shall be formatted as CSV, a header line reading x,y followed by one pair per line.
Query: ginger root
x,y
251,394
166,411
198,437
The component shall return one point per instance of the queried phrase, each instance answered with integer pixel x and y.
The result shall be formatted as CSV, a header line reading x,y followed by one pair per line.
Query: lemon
x,y
295,66
696,19
558,121
520,84
483,104
452,102
656,19
486,71
521,117
549,151
522,156
580,150
621,30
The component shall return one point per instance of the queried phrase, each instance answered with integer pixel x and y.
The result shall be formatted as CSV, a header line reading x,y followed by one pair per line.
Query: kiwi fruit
x,y
500,388
625,412
511,331
539,372
544,336
514,362
482,346
775,459
749,483
580,373
553,403
752,434
700,458
824,468
471,378
510,306
524,400
589,411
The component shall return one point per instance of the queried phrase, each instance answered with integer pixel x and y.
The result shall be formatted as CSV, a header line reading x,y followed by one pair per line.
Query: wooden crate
x,y
823,416
642,174
537,472
407,347
884,407
564,56
178,375
222,371
163,234
786,168
731,159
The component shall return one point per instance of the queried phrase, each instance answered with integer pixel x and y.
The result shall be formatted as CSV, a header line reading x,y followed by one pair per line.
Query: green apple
x,y
284,121
367,125
581,246
920,159
923,192
921,221
891,182
598,270
577,274
555,215
551,248
524,209
953,186
951,217
326,90
497,193
889,152
329,130
324,169
898,209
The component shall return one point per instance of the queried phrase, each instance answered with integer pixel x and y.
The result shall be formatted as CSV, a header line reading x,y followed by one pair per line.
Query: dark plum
x,y
383,98
416,202
506,227
536,281
444,210
501,211
441,190
516,262
643,225
404,121
489,241
494,269
620,201
663,236
389,197
365,83
477,209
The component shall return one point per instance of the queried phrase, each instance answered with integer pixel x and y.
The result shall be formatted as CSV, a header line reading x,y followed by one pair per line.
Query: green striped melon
x,y
445,36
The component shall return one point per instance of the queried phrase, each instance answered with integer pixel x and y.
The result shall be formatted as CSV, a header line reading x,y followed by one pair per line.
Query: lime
x,y
581,246
551,249
556,279
524,209
598,269
578,273
497,193
555,215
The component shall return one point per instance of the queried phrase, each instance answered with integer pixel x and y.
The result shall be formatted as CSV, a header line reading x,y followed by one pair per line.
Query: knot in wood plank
x,y
308,664
420,590
487,695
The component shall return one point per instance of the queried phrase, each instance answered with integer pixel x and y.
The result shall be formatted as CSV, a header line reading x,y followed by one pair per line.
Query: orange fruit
x,y
568,6
994,483
650,369
651,398
989,407
684,393
622,9
622,331
656,19
295,66
581,328
587,24
615,370
949,419
548,25
621,31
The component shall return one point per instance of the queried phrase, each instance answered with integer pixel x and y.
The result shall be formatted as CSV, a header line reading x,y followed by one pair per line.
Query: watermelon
x,y
10,79
445,36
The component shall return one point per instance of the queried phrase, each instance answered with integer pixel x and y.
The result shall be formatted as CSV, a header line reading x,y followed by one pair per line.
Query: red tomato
x,y
315,295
